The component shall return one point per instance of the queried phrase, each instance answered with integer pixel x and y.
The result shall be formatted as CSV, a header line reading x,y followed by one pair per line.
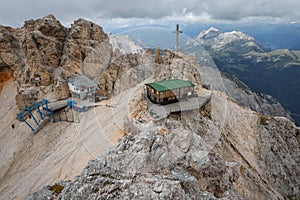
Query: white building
x,y
82,87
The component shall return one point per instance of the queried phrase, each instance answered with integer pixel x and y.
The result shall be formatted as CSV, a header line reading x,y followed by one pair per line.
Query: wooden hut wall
x,y
167,95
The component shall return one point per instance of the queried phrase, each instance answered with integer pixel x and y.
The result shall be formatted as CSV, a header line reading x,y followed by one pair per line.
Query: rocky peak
x,y
236,35
235,41
87,49
210,33
10,51
5,35
86,30
48,26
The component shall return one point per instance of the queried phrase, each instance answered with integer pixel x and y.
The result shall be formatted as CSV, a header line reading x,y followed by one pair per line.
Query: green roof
x,y
170,84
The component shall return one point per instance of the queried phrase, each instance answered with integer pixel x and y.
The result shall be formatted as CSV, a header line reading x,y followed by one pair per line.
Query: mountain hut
x,y
169,91
83,87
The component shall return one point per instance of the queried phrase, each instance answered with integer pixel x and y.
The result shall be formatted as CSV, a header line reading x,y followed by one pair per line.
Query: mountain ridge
x,y
222,150
219,41
271,72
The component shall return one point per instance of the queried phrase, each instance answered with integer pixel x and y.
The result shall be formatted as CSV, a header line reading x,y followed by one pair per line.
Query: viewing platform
x,y
159,112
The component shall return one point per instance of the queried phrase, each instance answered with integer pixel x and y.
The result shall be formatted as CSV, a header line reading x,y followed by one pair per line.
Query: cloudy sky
x,y
116,13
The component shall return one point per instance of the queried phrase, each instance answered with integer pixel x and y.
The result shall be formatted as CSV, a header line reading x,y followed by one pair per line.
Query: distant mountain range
x,y
235,41
271,36
272,72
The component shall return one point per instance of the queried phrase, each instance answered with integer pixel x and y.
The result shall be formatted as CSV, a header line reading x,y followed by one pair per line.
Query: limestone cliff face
x,y
278,160
268,146
87,49
11,55
43,54
126,71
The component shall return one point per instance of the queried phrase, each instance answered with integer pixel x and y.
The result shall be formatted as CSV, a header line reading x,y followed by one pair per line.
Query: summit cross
x,y
177,36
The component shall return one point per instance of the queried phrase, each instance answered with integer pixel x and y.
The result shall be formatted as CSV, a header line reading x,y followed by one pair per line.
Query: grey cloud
x,y
14,11
234,9
17,11
216,9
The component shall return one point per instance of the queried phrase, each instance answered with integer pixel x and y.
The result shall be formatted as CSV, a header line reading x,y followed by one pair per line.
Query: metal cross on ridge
x,y
177,36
